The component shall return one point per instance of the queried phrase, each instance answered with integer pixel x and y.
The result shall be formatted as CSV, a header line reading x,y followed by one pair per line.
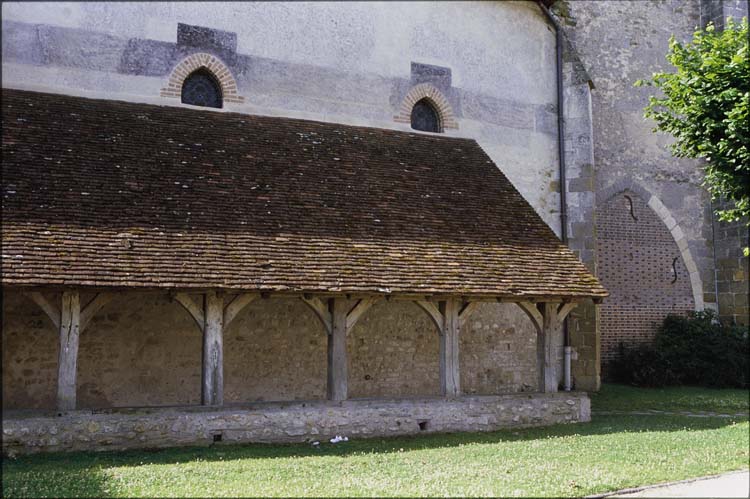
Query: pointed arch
x,y
679,236
436,99
210,63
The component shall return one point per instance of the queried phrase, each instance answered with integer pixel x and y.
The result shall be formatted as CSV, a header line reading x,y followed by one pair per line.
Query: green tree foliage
x,y
705,107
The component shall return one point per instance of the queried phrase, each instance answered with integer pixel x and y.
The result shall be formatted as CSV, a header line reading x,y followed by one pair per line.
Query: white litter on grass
x,y
339,438
315,444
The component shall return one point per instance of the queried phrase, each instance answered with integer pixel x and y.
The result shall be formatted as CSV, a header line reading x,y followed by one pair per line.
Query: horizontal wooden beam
x,y
322,294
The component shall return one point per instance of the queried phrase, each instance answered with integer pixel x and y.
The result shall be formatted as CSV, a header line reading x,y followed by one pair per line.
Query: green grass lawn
x,y
627,398
610,453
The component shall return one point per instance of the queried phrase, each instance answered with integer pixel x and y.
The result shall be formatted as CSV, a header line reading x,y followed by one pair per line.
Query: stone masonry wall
x,y
285,422
618,43
275,350
583,322
30,345
732,281
145,350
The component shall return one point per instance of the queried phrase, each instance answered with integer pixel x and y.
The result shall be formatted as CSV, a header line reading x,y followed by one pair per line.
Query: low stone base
x,y
277,422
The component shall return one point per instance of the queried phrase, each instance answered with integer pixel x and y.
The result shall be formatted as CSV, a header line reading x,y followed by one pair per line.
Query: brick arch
x,y
212,64
435,97
642,262
679,236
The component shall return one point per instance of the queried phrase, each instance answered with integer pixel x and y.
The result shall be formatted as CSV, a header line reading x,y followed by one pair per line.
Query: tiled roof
x,y
115,194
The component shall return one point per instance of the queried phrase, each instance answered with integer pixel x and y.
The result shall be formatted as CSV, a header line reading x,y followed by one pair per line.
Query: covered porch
x,y
181,259
94,424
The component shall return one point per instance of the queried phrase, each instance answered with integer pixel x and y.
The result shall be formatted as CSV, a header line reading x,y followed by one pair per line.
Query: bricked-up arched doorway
x,y
642,267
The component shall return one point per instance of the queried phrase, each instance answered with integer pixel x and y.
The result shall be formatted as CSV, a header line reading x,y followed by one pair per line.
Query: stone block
x,y
677,233
581,184
728,264
206,38
426,73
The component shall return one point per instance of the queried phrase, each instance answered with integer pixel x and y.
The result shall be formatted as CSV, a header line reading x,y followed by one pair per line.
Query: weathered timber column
x,y
67,360
450,383
337,371
544,354
546,317
212,387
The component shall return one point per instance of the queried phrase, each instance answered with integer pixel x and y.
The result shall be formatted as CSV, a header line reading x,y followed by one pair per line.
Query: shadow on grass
x,y
78,479
602,425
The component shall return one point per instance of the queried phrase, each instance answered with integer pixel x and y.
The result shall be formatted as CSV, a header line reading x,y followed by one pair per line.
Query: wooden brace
x,y
321,311
536,312
234,307
359,309
439,320
195,311
87,313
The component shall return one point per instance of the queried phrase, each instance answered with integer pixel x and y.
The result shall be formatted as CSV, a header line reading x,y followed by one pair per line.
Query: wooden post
x,y
450,384
337,369
67,360
544,349
212,387
546,317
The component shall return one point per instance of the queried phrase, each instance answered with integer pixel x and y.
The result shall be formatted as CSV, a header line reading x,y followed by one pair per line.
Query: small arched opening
x,y
425,117
201,88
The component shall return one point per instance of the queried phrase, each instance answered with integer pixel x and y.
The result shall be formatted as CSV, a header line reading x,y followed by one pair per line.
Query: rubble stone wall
x,y
285,422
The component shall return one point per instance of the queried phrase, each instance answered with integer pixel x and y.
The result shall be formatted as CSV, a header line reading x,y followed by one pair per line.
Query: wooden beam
x,y
359,309
450,385
338,377
321,311
545,317
564,310
234,307
545,353
434,313
48,307
466,311
67,360
193,309
93,307
533,313
212,392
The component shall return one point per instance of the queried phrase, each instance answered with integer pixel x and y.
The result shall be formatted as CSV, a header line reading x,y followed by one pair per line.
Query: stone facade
x,y
285,422
610,45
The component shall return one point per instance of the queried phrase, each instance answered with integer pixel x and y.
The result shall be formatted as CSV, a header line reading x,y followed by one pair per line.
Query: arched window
x,y
201,89
425,117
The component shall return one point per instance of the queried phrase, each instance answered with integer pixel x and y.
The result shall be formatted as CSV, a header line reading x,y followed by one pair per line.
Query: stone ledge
x,y
283,422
